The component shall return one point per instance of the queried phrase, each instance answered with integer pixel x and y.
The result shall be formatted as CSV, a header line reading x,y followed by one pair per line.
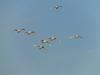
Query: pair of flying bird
x,y
24,31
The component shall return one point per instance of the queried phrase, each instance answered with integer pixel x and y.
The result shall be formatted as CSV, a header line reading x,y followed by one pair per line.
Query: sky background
x,y
18,56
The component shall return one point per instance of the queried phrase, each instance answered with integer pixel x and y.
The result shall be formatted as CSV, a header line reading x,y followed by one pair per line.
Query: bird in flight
x,y
30,32
75,36
19,30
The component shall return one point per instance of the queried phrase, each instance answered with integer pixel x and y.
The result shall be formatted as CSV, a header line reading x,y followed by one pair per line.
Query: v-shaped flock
x,y
43,44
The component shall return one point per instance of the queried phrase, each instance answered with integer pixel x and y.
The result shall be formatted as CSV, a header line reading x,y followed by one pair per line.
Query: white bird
x,y
45,42
30,32
57,7
52,38
19,30
41,47
76,36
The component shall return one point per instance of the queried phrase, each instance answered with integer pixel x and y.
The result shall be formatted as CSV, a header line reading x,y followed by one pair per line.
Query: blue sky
x,y
18,56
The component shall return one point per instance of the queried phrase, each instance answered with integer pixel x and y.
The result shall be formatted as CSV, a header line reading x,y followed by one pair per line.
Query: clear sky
x,y
18,56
